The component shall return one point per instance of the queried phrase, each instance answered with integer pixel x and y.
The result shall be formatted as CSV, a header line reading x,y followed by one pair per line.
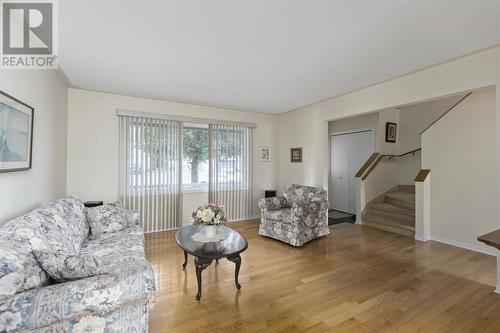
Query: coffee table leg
x,y
237,261
185,260
200,264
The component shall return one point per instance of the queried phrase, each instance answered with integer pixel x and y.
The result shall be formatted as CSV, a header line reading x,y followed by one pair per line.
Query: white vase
x,y
210,231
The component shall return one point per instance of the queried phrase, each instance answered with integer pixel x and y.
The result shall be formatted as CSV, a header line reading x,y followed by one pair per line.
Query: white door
x,y
348,153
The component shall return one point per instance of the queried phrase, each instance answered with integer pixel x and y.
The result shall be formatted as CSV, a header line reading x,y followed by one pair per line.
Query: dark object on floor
x,y
89,204
270,193
336,217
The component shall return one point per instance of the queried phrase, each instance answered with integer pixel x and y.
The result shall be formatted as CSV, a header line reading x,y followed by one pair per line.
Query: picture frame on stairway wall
x,y
390,132
296,155
16,134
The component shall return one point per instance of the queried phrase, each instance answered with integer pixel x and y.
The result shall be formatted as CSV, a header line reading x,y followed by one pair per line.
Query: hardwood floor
x,y
357,279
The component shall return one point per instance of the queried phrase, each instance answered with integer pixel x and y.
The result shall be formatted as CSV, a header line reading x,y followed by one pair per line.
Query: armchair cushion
x,y
280,215
62,266
298,193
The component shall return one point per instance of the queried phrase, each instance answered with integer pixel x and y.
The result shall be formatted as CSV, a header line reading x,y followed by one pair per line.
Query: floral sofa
x,y
297,217
116,300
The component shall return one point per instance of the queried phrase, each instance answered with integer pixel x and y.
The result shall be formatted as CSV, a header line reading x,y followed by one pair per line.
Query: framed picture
x,y
264,154
296,155
16,134
390,132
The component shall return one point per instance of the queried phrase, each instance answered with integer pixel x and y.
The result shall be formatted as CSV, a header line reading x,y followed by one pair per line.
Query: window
x,y
195,157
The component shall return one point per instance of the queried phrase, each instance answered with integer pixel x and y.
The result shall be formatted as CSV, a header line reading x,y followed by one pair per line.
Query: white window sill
x,y
194,190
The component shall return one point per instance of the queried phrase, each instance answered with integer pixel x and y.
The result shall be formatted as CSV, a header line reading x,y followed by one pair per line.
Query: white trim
x,y
254,217
468,246
131,113
353,131
421,238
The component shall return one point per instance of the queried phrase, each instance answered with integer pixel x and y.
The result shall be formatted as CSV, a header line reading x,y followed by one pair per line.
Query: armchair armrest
x,y
127,283
274,203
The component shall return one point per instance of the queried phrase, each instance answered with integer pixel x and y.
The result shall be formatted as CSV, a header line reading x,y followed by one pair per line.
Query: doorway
x,y
348,152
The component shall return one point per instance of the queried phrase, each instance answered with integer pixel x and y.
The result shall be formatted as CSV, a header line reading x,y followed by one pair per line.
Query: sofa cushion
x,y
64,225
58,226
117,247
279,215
19,270
62,266
107,218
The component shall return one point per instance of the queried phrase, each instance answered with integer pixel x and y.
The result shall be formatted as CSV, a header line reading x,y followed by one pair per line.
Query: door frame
x,y
346,132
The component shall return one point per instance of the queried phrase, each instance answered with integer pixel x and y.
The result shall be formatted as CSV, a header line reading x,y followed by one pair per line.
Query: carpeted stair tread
x,y
386,207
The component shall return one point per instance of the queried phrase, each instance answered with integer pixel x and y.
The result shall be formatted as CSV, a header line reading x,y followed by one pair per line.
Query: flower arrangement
x,y
211,214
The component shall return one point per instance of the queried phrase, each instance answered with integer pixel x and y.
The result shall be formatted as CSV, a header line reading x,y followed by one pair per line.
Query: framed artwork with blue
x,y
16,134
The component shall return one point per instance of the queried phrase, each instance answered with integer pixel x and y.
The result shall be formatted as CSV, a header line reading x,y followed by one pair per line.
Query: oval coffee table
x,y
205,253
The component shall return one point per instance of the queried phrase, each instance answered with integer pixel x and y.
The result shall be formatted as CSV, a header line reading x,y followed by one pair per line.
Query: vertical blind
x,y
230,161
151,163
150,170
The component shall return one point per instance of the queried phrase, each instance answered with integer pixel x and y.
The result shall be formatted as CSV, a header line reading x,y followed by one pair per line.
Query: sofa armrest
x,y
274,203
127,283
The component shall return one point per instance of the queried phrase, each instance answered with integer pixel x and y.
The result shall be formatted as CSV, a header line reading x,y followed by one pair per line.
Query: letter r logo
x,y
27,28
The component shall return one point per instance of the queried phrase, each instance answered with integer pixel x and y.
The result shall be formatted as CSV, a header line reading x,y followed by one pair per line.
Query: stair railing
x,y
375,158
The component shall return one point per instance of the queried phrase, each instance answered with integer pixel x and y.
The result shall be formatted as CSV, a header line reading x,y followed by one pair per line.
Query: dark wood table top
x,y
232,245
491,239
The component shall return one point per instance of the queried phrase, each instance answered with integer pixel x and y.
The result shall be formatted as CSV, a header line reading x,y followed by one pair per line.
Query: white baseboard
x,y
421,238
468,246
255,217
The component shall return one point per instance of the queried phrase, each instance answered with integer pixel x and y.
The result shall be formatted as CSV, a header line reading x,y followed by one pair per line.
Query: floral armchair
x,y
300,215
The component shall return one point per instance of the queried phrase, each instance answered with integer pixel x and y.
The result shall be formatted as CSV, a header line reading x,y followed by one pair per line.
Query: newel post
x,y
361,199
423,205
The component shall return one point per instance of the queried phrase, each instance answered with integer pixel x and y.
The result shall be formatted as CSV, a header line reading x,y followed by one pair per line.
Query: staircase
x,y
393,211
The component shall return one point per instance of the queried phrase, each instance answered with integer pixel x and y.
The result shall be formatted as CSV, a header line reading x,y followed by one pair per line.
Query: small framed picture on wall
x,y
264,154
296,155
390,132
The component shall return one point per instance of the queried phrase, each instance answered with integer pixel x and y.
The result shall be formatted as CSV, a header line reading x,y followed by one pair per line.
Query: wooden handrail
x,y
374,164
441,116
378,158
407,153
422,175
367,164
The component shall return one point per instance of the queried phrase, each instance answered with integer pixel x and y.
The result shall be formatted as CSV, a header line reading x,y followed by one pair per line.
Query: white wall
x,y
458,151
46,92
93,142
413,120
307,126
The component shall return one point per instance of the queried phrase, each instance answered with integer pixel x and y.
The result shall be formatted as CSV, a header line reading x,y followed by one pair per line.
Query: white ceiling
x,y
265,56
